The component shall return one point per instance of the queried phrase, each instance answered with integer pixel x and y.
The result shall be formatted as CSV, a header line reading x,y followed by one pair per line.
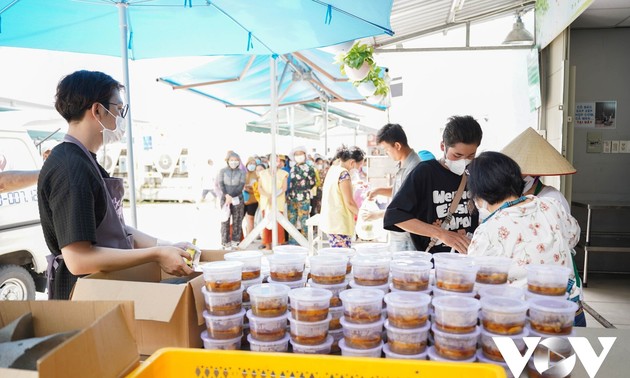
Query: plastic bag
x,y
369,230
224,216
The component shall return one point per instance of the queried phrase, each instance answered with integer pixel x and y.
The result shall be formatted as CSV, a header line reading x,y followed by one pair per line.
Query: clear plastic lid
x,y
212,318
411,331
503,304
290,250
409,299
243,256
437,292
348,351
333,287
390,354
221,294
524,333
328,260
384,287
458,336
361,326
456,303
309,294
450,257
413,255
347,252
313,348
263,344
361,296
411,265
369,260
552,304
269,290
311,324
222,266
501,291
260,319
208,340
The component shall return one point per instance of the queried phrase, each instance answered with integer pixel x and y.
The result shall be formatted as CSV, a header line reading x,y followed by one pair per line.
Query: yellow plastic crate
x,y
199,363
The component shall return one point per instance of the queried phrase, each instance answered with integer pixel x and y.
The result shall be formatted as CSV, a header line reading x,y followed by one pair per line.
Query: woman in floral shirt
x,y
528,229
301,182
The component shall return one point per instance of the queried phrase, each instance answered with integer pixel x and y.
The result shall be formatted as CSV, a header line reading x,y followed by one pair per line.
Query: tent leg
x,y
291,229
122,19
255,232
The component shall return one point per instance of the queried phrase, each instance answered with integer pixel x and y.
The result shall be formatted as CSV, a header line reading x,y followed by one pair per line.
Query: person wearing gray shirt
x,y
393,140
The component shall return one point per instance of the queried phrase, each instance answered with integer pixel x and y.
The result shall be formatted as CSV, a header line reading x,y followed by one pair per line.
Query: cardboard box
x,y
167,315
104,347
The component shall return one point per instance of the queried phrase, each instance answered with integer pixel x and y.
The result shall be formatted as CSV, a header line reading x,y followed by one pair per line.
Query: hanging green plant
x,y
357,62
376,84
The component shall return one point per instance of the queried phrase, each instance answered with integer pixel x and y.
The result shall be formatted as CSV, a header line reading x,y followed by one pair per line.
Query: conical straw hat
x,y
536,156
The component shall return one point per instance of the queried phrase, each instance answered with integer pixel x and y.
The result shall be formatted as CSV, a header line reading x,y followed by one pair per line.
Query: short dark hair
x,y
494,177
462,129
355,153
392,133
78,91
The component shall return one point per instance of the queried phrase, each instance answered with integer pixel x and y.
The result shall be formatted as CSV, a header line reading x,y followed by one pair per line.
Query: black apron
x,y
110,232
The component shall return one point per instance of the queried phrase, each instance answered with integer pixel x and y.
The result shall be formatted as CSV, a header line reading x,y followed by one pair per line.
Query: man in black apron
x,y
80,206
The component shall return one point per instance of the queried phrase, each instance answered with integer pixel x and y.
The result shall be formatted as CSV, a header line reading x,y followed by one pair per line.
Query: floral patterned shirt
x,y
301,181
537,232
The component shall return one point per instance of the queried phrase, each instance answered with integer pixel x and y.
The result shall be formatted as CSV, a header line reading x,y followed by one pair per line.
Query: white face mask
x,y
529,182
320,166
456,166
251,167
482,208
299,159
233,164
116,135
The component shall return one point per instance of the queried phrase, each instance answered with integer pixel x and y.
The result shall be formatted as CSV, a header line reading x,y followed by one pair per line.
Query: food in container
x,y
410,275
269,300
407,341
552,315
309,304
335,313
248,284
290,284
286,267
224,327
455,346
348,253
335,301
433,355
492,269
362,305
490,349
223,303
504,316
455,314
281,345
222,276
328,269
353,352
384,288
251,263
501,291
362,336
323,348
437,292
267,329
389,354
547,279
309,333
370,270
336,335
407,309
229,344
458,275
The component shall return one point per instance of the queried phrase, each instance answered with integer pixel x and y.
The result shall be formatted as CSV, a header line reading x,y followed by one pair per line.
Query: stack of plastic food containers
x,y
309,320
348,253
268,317
455,330
362,322
455,274
410,275
251,274
286,266
492,272
224,315
370,271
329,272
407,325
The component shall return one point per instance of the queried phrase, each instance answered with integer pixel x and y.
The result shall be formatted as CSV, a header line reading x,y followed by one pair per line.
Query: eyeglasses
x,y
121,111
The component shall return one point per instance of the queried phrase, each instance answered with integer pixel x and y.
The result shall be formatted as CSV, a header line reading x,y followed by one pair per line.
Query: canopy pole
x,y
325,128
274,163
291,125
122,20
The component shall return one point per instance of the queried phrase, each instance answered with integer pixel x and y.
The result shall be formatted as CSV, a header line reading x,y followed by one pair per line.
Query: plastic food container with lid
x,y
229,344
437,292
269,300
290,284
504,316
267,329
546,279
309,333
407,341
309,304
353,352
455,276
493,270
281,345
373,249
328,269
455,346
410,275
222,276
223,303
248,284
450,257
370,270
389,354
407,309
384,288
552,315
412,255
490,349
501,291
455,314
362,336
348,253
323,348
286,267
224,327
251,263
433,355
362,305
290,250
335,301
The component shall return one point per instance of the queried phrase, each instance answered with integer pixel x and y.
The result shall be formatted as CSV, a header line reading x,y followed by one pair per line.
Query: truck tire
x,y
16,283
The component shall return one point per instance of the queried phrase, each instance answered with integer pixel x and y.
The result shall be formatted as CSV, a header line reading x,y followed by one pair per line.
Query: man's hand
x,y
371,215
171,260
371,194
455,240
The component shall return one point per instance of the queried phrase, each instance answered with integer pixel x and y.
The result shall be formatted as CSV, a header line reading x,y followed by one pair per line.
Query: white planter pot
x,y
357,74
366,88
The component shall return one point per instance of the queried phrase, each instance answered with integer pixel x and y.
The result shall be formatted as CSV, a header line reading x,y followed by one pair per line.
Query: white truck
x,y
23,249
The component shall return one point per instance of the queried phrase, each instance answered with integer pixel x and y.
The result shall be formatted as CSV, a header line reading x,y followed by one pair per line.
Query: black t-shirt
x,y
72,204
426,195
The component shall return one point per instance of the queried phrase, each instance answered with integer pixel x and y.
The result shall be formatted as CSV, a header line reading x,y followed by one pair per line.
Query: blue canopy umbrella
x,y
140,29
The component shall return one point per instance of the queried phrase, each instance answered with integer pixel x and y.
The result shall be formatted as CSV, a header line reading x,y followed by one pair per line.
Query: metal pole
x,y
274,165
291,124
326,128
122,20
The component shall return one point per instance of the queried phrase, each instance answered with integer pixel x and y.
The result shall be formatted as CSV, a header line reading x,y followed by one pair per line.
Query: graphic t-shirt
x,y
426,195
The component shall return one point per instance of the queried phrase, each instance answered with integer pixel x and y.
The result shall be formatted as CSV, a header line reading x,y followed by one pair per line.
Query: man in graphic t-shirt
x,y
425,197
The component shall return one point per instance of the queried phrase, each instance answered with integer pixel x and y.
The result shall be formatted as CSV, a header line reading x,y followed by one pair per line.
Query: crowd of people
x,y
491,204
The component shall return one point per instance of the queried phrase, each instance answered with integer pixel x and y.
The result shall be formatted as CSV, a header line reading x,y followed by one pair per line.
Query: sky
x,y
490,85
